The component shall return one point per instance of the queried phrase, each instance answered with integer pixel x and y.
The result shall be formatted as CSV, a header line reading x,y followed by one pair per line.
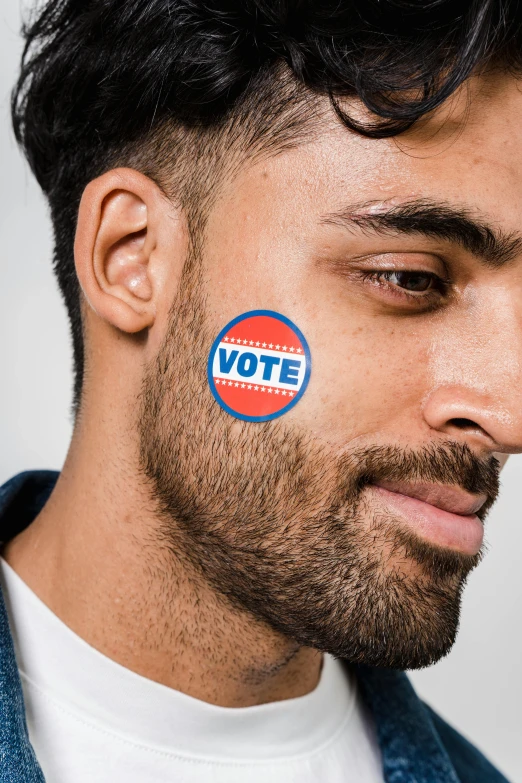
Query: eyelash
x,y
375,277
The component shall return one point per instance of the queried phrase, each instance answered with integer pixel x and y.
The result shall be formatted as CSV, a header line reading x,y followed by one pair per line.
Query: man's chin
x,y
415,656
410,627
402,612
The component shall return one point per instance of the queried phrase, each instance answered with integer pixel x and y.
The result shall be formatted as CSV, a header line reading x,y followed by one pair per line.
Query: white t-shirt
x,y
93,721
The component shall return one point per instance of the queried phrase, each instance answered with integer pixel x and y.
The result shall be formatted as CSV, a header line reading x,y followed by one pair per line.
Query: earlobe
x,y
114,248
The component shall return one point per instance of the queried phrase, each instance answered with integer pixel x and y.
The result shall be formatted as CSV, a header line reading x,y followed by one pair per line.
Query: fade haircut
x,y
169,87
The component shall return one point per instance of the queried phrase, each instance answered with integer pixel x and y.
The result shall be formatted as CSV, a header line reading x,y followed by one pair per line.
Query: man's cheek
x,y
366,388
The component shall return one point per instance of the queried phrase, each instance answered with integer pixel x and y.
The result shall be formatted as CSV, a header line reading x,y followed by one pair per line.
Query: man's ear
x,y
125,243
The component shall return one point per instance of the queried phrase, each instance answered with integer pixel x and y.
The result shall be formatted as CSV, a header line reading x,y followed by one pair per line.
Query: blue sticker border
x,y
210,374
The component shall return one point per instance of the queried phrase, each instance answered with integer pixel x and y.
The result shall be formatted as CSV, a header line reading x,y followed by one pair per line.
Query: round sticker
x,y
259,366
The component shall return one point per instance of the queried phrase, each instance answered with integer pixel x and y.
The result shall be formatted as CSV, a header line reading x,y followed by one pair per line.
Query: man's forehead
x,y
466,154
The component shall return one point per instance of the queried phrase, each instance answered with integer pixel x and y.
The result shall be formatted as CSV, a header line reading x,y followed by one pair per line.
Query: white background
x,y
478,687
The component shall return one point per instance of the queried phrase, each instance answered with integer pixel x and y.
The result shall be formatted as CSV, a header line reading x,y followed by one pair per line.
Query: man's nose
x,y
476,417
475,368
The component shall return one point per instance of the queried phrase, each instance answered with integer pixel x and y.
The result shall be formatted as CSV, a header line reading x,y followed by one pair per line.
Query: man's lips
x,y
448,498
445,515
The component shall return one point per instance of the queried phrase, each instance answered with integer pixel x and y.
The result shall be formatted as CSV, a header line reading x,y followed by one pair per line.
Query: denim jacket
x,y
417,746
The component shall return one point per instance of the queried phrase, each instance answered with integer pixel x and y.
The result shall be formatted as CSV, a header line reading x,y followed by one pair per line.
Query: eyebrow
x,y
437,220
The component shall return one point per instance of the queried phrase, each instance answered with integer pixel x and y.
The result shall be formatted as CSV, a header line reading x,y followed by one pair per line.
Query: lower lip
x,y
464,533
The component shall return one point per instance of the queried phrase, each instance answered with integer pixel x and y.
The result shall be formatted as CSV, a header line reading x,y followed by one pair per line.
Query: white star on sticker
x,y
284,347
271,345
263,388
291,394
264,345
299,350
226,339
232,340
270,391
249,386
278,347
245,342
242,385
217,381
251,342
292,349
283,393
236,384
276,391
258,343
230,383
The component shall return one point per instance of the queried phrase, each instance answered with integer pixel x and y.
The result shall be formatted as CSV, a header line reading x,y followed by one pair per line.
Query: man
x,y
288,238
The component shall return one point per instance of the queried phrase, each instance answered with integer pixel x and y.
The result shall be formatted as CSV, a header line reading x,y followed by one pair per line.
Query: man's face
x,y
413,319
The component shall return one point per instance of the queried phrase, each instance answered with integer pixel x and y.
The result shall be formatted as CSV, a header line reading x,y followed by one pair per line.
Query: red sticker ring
x,y
259,366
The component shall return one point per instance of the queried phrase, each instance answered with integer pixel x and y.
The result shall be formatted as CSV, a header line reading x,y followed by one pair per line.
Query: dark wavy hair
x,y
169,86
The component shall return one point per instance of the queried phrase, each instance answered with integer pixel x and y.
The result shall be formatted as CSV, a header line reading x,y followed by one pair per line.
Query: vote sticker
x,y
259,366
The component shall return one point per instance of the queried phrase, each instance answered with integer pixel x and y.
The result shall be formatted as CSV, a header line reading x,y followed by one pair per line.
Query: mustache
x,y
448,463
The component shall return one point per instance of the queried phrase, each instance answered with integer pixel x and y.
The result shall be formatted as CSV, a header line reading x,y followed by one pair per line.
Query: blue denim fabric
x,y
417,745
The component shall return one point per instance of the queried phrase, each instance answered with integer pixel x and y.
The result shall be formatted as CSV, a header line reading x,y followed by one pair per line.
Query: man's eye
x,y
411,281
411,288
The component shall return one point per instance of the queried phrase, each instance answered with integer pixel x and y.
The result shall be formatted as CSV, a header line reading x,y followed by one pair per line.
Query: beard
x,y
282,527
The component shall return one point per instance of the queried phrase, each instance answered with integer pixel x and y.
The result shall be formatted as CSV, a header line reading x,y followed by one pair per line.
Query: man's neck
x,y
93,556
